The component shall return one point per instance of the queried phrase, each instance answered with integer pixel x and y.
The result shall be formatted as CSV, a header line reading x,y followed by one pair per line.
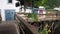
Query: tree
x,y
47,3
51,4
39,3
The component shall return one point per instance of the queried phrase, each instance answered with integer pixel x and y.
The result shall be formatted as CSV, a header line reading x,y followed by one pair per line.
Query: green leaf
x,y
33,16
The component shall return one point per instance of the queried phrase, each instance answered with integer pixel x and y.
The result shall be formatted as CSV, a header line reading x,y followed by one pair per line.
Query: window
x,y
17,4
9,1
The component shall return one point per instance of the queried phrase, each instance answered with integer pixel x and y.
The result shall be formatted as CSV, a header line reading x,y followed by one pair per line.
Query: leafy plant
x,y
45,29
30,15
33,16
49,4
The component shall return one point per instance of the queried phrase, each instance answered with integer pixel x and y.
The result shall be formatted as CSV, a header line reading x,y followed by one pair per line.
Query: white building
x,y
7,5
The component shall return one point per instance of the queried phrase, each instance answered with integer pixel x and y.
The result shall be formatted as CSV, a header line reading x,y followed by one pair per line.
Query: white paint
x,y
57,9
28,11
5,5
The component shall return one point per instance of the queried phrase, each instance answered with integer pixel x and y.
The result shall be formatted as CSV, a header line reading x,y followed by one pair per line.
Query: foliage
x,y
45,29
47,3
39,3
30,15
33,16
51,3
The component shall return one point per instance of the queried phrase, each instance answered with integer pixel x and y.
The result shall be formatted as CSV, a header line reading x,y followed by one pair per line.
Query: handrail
x,y
34,31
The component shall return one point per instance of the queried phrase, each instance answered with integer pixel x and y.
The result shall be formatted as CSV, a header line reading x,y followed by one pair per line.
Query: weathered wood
x,y
34,31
